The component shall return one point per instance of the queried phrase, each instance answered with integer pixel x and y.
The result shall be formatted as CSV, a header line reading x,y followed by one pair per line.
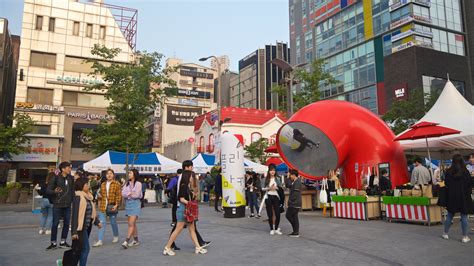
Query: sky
x,y
191,29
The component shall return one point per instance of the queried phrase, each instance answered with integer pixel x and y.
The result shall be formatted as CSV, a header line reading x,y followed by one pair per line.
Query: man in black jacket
x,y
61,189
294,203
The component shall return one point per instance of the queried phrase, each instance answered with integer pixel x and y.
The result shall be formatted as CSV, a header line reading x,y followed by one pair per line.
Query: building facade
x,y
227,78
223,62
194,96
252,88
57,38
378,48
9,52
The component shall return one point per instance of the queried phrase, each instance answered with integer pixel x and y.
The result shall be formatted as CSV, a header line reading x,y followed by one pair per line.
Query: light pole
x,y
286,67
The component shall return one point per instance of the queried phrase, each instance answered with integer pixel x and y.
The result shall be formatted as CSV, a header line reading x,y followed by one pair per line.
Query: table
x,y
356,207
412,209
306,199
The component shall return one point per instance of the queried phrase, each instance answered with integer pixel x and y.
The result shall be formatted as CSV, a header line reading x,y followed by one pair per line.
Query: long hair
x,y
136,175
458,167
267,178
185,178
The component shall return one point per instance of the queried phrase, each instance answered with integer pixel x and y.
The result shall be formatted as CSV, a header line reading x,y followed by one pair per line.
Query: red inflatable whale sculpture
x,y
332,134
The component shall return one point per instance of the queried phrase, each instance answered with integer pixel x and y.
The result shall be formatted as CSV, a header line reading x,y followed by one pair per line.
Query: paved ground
x,y
324,241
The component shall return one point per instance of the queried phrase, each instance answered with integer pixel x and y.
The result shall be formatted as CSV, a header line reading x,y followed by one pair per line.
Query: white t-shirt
x,y
272,182
107,187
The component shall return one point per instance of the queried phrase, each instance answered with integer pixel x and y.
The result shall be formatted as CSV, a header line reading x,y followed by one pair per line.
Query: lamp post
x,y
286,67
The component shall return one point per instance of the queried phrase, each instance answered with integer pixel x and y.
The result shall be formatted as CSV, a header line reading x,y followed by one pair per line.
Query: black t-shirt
x,y
184,192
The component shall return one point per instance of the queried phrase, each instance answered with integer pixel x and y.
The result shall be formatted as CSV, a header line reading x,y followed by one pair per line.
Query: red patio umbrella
x,y
272,149
425,130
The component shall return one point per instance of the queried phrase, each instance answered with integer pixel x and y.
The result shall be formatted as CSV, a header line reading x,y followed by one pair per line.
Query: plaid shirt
x,y
115,194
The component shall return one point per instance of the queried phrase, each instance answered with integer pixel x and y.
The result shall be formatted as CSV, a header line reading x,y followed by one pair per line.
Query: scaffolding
x,y
126,19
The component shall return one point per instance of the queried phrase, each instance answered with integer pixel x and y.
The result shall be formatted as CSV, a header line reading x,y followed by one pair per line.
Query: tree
x,y
12,139
256,150
311,83
406,112
130,90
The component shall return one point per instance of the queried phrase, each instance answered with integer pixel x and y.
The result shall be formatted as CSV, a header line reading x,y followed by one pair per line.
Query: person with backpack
x,y
252,188
61,190
171,191
158,187
46,206
133,194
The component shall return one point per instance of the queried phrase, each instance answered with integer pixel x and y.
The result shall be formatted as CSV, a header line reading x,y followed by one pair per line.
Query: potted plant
x,y
3,194
24,195
13,192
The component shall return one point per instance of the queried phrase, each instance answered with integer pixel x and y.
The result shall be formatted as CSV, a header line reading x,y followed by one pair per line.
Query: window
x,y
72,98
41,129
52,24
75,28
102,32
79,140
40,96
39,23
77,64
89,31
255,137
40,59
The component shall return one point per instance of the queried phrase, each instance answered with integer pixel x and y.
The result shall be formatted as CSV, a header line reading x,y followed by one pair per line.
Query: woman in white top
x,y
272,203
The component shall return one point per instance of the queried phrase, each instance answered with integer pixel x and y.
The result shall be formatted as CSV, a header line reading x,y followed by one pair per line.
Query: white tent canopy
x,y
451,110
203,163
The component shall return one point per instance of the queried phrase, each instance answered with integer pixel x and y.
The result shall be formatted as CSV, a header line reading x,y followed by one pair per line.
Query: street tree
x,y
13,138
405,112
256,150
131,89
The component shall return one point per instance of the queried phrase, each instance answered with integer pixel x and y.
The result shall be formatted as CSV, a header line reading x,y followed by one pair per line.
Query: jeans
x,y
292,216
58,213
253,202
46,215
113,223
158,193
85,248
449,220
273,206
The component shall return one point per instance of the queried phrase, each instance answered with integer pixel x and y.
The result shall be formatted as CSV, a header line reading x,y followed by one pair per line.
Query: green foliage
x,y
281,91
311,83
3,191
133,95
12,139
13,185
256,150
404,113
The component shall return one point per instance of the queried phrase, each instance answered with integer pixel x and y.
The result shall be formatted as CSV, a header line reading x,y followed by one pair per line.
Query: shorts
x,y
180,213
133,207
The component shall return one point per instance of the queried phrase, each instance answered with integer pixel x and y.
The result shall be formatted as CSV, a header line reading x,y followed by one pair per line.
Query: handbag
x,y
71,256
191,213
323,195
109,210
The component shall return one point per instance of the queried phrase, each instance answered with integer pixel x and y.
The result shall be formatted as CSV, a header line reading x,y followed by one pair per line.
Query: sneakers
x,y
251,215
200,250
465,239
64,245
52,246
278,232
115,240
47,232
445,236
272,232
168,252
294,235
134,244
125,244
206,244
41,231
97,244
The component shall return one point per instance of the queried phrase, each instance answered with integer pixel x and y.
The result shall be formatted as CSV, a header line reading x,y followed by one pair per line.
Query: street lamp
x,y
286,67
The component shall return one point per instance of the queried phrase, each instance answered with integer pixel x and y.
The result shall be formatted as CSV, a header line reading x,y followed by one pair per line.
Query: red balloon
x,y
332,134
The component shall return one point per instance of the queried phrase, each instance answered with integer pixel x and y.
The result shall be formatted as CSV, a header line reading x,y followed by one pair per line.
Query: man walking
x,y
294,203
420,175
218,190
61,189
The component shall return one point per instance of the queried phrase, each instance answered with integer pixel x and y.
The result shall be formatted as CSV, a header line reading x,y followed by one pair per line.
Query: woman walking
x,y
83,215
184,196
253,184
459,185
132,193
272,203
109,197
46,207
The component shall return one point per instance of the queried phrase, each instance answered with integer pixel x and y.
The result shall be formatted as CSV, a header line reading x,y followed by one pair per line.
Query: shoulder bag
x,y
191,213
323,195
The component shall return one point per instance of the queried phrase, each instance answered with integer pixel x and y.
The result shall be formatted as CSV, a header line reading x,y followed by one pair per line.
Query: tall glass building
x,y
380,50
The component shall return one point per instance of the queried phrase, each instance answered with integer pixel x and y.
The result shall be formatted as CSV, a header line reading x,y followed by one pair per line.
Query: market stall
x,y
412,209
308,197
356,207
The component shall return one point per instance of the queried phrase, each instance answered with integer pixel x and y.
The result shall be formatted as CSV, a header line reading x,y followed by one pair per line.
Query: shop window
x,y
79,139
75,28
40,96
52,24
41,129
45,60
71,98
39,23
89,30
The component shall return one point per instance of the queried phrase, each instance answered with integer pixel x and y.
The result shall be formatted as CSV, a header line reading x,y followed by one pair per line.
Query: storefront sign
x,y
400,22
400,91
402,35
39,107
183,116
421,19
403,46
196,74
190,102
194,93
89,116
39,150
75,81
396,4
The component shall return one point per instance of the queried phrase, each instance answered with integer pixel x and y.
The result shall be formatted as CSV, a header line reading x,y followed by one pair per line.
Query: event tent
x,y
451,110
145,163
203,163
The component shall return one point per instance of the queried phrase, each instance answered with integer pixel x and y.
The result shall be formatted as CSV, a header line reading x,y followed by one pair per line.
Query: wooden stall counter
x,y
306,199
412,209
356,207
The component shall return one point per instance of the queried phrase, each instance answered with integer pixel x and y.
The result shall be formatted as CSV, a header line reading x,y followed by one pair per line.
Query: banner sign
x,y
39,107
194,93
182,116
39,150
190,73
